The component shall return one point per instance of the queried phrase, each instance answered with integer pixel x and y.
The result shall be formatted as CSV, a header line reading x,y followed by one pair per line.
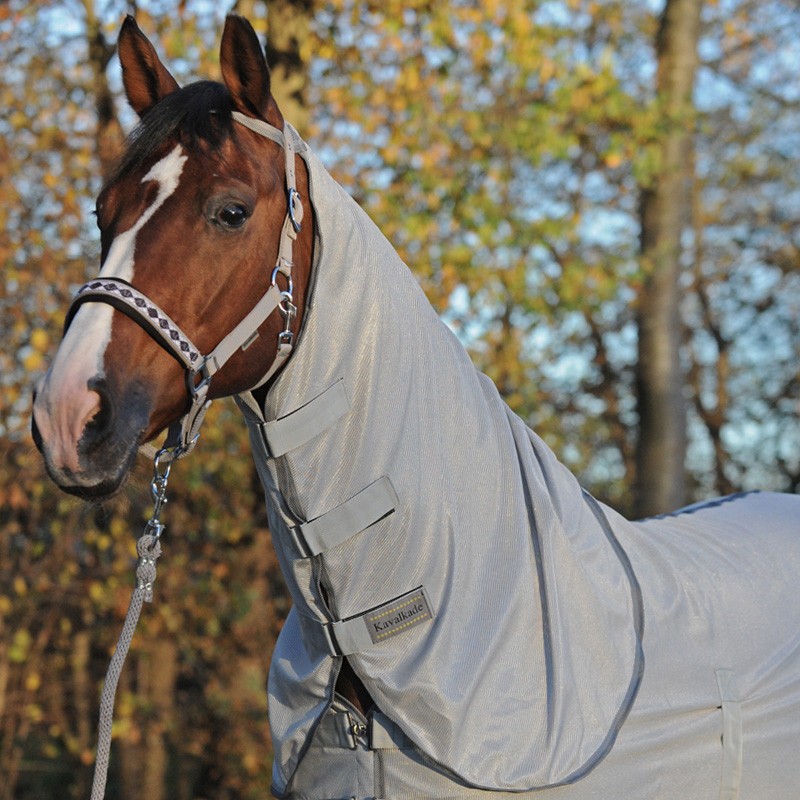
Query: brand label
x,y
398,615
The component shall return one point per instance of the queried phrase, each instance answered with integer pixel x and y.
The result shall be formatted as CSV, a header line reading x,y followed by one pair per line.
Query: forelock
x,y
197,114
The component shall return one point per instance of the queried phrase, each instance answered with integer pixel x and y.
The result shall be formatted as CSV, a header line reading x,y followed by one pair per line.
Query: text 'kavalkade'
x,y
386,624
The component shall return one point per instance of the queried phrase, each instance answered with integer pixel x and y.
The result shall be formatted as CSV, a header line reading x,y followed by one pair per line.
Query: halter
x,y
200,369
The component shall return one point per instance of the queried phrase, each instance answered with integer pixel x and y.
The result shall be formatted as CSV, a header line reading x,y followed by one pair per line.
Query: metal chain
x,y
148,549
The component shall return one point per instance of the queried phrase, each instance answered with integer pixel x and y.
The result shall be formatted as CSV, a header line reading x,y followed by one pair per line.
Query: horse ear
x,y
244,70
145,78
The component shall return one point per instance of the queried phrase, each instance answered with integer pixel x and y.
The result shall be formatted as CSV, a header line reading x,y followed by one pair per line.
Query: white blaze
x,y
119,262
80,355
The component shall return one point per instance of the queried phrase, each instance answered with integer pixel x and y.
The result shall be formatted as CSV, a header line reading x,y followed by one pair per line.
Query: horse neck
x,y
370,324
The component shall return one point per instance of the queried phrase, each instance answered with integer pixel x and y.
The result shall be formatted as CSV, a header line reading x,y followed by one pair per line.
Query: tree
x,y
661,445
503,148
742,308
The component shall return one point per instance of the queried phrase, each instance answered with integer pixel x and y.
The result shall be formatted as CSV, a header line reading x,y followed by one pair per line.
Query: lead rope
x,y
148,549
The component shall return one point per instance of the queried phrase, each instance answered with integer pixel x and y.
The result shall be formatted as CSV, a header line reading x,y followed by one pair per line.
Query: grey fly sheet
x,y
515,635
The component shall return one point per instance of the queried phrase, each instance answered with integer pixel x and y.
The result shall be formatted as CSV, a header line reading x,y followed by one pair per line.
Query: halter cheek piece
x,y
200,369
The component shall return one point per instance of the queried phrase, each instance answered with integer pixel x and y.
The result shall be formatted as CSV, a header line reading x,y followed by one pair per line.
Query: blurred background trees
x,y
509,150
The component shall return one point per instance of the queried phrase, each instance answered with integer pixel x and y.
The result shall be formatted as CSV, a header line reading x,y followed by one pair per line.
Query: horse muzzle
x,y
89,436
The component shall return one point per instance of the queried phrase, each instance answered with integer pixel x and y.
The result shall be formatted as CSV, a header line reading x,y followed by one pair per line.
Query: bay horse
x,y
467,621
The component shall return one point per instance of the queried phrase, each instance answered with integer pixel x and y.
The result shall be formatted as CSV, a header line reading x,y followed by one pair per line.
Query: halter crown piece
x,y
200,369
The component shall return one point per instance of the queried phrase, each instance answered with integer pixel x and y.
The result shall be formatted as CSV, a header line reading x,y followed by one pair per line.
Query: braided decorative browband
x,y
141,309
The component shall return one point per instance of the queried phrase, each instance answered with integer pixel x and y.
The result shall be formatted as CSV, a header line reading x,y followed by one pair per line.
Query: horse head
x,y
192,224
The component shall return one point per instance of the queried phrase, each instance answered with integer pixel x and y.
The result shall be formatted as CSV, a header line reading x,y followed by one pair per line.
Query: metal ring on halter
x,y
287,308
274,281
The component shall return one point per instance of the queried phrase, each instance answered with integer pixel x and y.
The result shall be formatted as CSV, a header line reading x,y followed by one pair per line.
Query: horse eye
x,y
233,215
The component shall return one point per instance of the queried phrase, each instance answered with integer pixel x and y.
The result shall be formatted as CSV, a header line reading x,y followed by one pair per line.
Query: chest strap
x,y
355,515
303,424
365,631
359,512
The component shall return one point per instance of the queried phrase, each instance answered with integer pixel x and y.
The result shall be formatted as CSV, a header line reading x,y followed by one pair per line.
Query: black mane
x,y
197,113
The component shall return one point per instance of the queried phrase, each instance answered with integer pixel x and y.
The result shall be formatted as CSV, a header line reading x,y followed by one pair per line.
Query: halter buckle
x,y
295,209
205,372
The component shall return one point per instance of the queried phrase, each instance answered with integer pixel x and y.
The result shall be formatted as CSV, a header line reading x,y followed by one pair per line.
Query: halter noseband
x,y
200,369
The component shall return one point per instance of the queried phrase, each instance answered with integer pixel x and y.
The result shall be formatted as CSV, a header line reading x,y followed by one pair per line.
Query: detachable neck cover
x,y
477,592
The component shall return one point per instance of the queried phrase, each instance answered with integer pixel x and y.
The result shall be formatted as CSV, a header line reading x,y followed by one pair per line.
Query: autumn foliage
x,y
503,147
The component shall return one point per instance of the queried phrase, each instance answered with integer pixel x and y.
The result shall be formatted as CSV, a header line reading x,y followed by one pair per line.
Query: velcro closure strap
x,y
300,426
385,734
365,631
334,527
347,636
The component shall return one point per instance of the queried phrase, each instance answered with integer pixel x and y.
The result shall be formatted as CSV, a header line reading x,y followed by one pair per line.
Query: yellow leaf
x,y
33,361
40,340
412,80
33,681
119,527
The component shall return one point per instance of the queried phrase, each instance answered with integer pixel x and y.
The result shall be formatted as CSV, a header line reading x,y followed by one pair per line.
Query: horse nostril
x,y
37,436
101,416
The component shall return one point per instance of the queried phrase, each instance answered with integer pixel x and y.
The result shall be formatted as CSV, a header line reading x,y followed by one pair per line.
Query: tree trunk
x,y
143,759
661,451
162,673
288,24
84,714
